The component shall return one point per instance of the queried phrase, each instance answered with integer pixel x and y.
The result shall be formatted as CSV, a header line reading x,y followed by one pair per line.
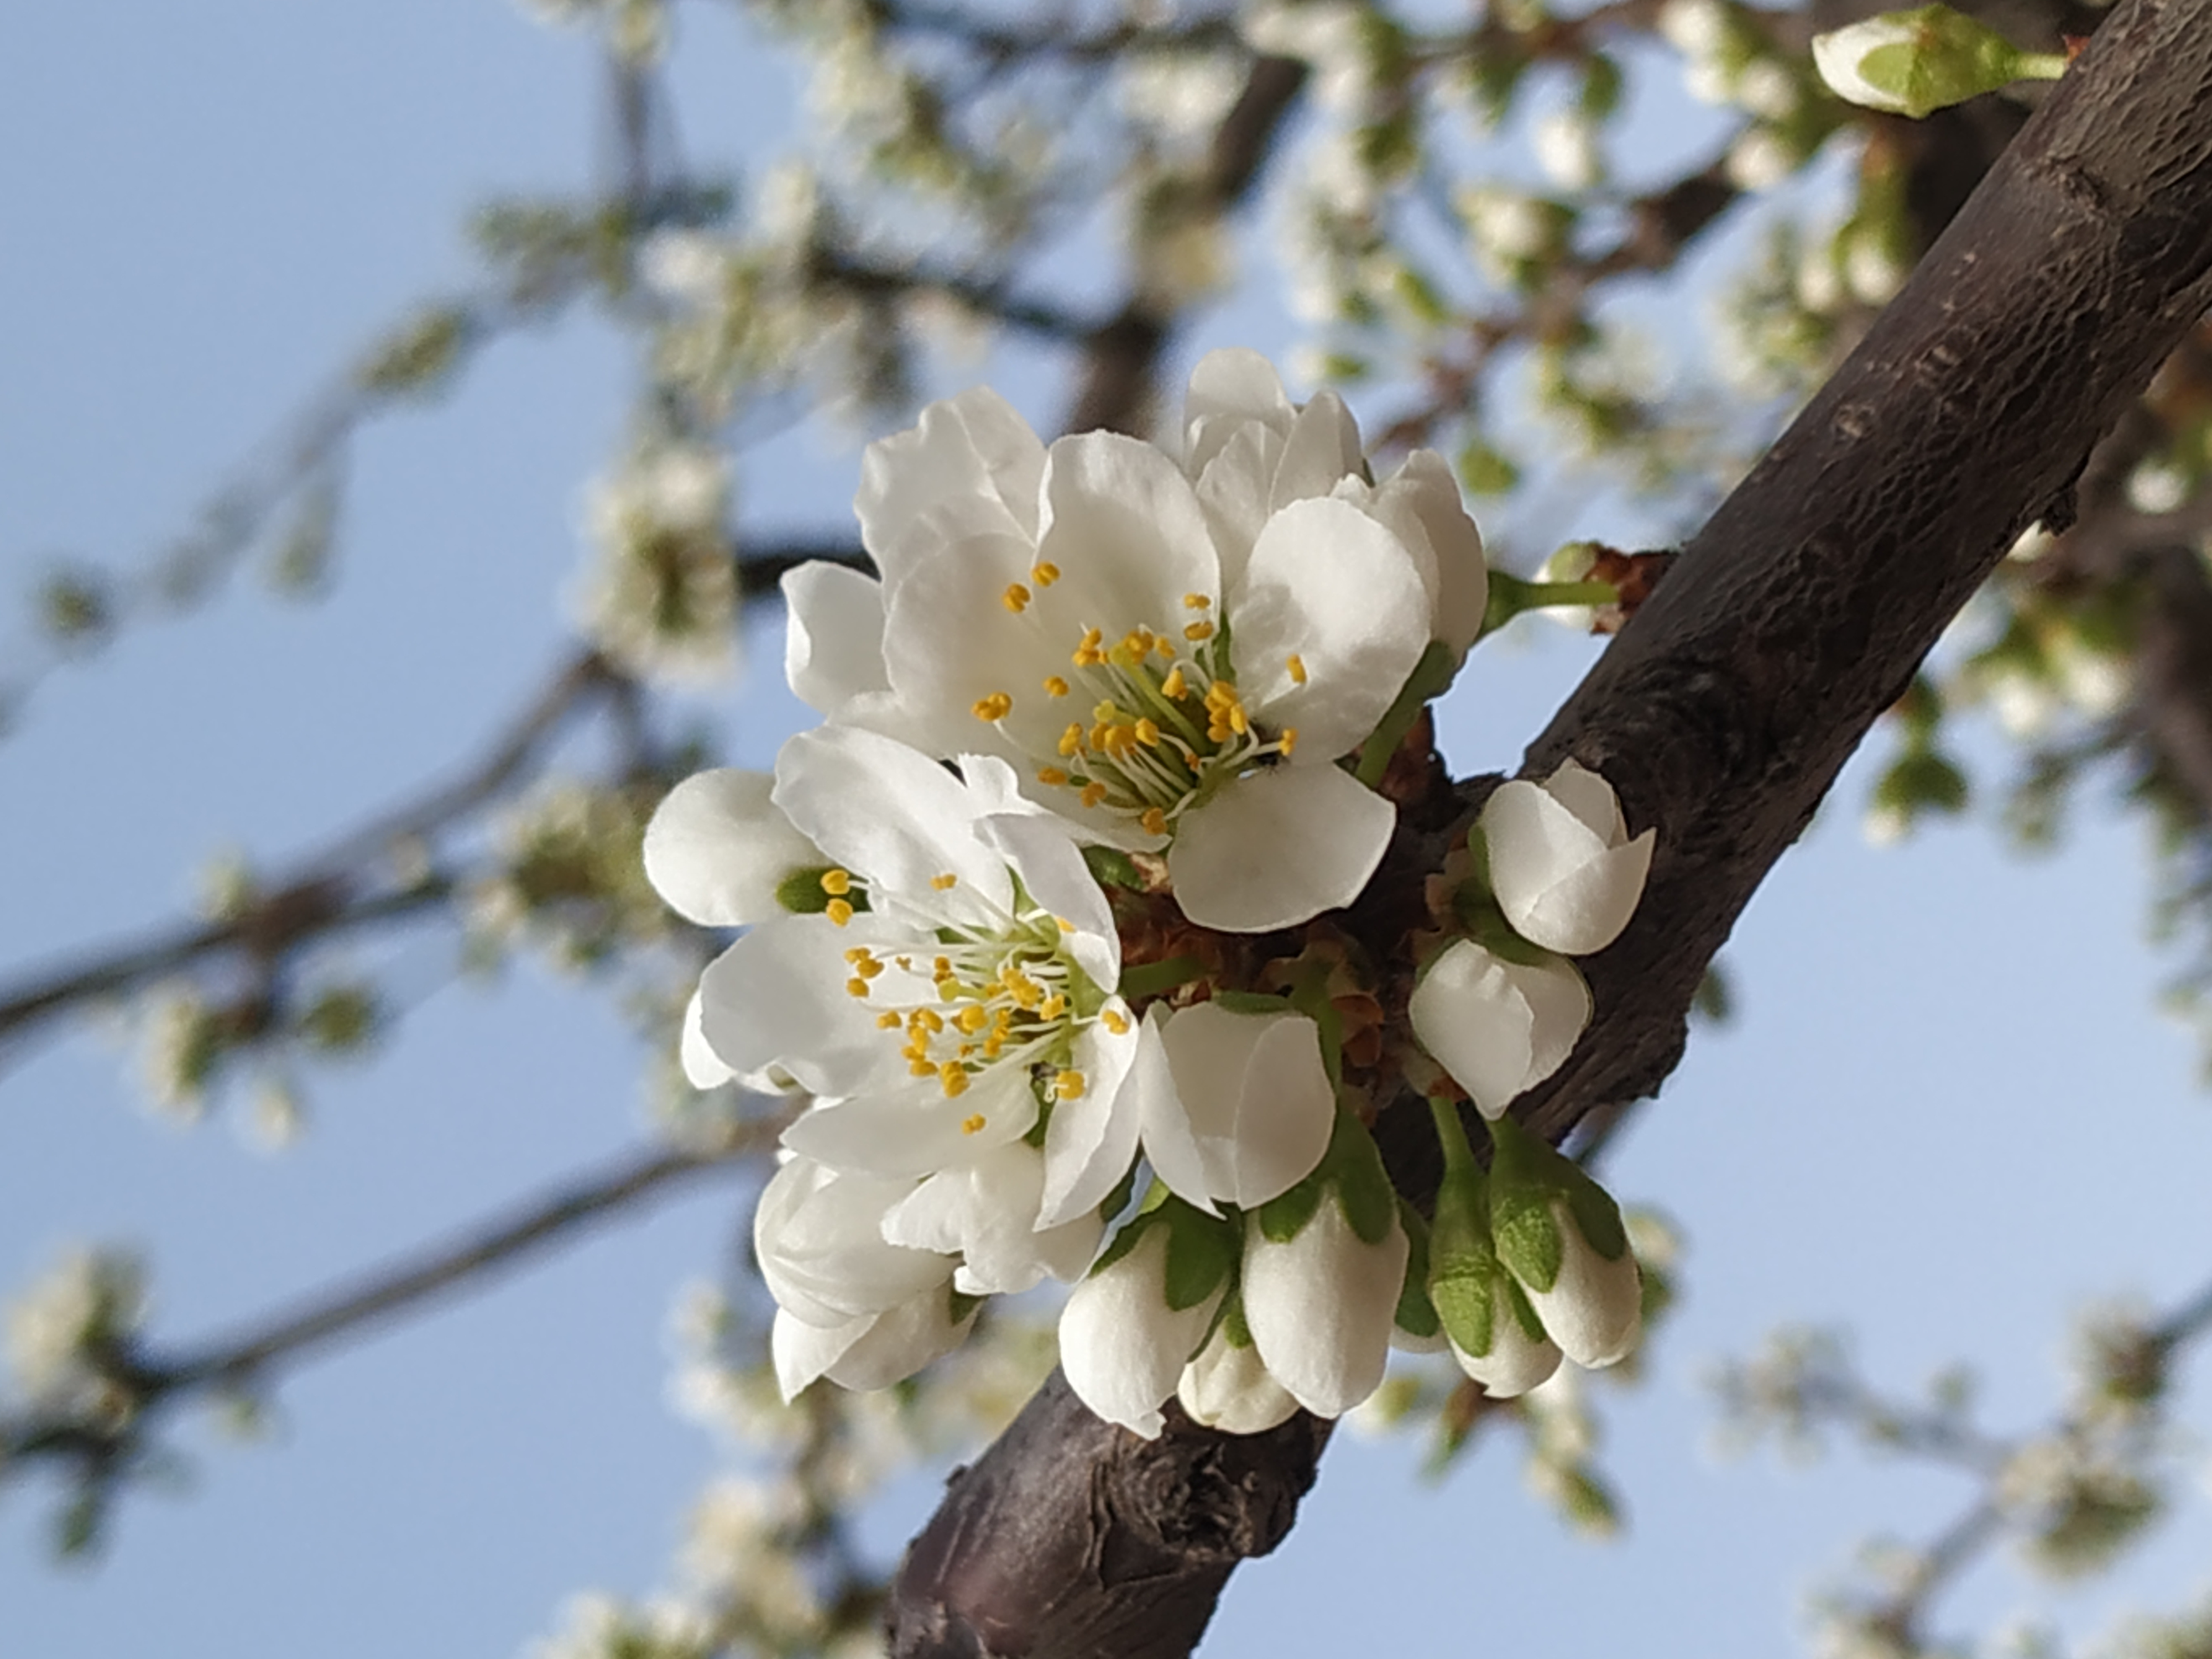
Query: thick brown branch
x,y
1723,712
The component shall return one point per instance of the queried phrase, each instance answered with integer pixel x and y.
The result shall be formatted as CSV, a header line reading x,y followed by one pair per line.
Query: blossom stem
x,y
1149,978
1431,676
1510,596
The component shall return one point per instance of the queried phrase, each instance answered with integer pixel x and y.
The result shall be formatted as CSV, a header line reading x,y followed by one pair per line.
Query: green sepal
x,y
958,1304
1251,1002
1524,1312
800,892
1951,59
1416,1313
1234,1329
1111,867
1431,678
1463,1268
1118,1200
1523,1225
1202,1250
1353,1168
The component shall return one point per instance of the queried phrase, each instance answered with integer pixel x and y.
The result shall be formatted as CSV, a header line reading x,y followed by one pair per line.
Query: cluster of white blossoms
x,y
1088,737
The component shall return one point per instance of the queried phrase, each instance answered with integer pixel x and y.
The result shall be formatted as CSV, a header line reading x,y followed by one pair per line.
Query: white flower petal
x,y
1320,1307
818,1236
1230,1388
803,1351
919,823
1462,594
833,637
1231,391
1497,1027
1128,535
987,1212
915,1129
776,998
1279,846
1122,1346
1513,1364
1091,1141
1335,588
1322,450
1163,1127
1562,871
899,1343
969,458
1595,1309
716,849
1256,1095
703,1066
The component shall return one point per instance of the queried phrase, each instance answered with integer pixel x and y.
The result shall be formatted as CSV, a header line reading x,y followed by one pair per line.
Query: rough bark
x,y
1721,714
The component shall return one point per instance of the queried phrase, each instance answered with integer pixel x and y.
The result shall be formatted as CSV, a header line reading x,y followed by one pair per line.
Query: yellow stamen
x,y
856,987
1016,597
1054,686
1148,734
1173,687
1114,1021
1288,741
1070,742
1093,793
973,1124
1164,648
945,882
952,1078
1198,630
1068,1086
839,911
1045,575
941,969
995,707
1053,1007
1296,664
1051,775
887,1021
869,969
1196,602
971,1019
919,1068
1154,821
836,882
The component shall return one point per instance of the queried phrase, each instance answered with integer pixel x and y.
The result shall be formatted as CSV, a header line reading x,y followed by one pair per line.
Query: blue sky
x,y
1947,1115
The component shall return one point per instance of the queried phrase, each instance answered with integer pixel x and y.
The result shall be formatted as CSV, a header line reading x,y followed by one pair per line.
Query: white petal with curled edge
x,y
777,998
1561,881
803,1351
717,848
970,459
986,1213
1462,573
833,635
1230,1388
703,1066
1320,1307
1513,1364
1497,1027
1231,391
818,1236
1336,589
1258,1099
899,1343
1594,1308
1278,848
891,814
1234,490
1122,1346
1322,448
1091,1141
915,1129
1163,1126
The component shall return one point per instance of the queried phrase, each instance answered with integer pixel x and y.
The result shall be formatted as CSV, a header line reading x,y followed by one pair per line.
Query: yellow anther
x,y
1148,734
1288,741
1053,1007
1164,648
1239,721
1102,737
1173,687
1068,1086
859,953
919,1067
992,1044
1106,712
868,968
1016,597
1051,775
856,987
1154,821
838,911
995,707
945,882
1196,602
973,1124
941,969
1071,741
971,1019
926,1019
952,1078
1136,644
1198,630
1296,664
1120,740
836,882
888,1021
906,965
948,990
1093,793
1044,575
1054,686
1063,924
1114,1021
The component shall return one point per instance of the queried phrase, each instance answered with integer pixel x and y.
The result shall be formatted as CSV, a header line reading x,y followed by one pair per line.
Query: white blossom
x,y
1172,657
1499,1026
1229,1386
1562,865
1321,1306
1258,1098
1515,1361
717,848
1594,1309
1122,1347
661,597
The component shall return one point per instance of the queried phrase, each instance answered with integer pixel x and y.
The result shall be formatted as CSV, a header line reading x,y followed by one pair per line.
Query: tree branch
x,y
1724,710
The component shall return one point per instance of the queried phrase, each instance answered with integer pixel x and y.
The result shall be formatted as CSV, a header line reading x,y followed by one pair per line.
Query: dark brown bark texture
x,y
1721,714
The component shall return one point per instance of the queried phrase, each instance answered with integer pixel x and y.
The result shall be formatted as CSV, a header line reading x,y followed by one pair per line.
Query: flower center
x,y
1006,993
1166,728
